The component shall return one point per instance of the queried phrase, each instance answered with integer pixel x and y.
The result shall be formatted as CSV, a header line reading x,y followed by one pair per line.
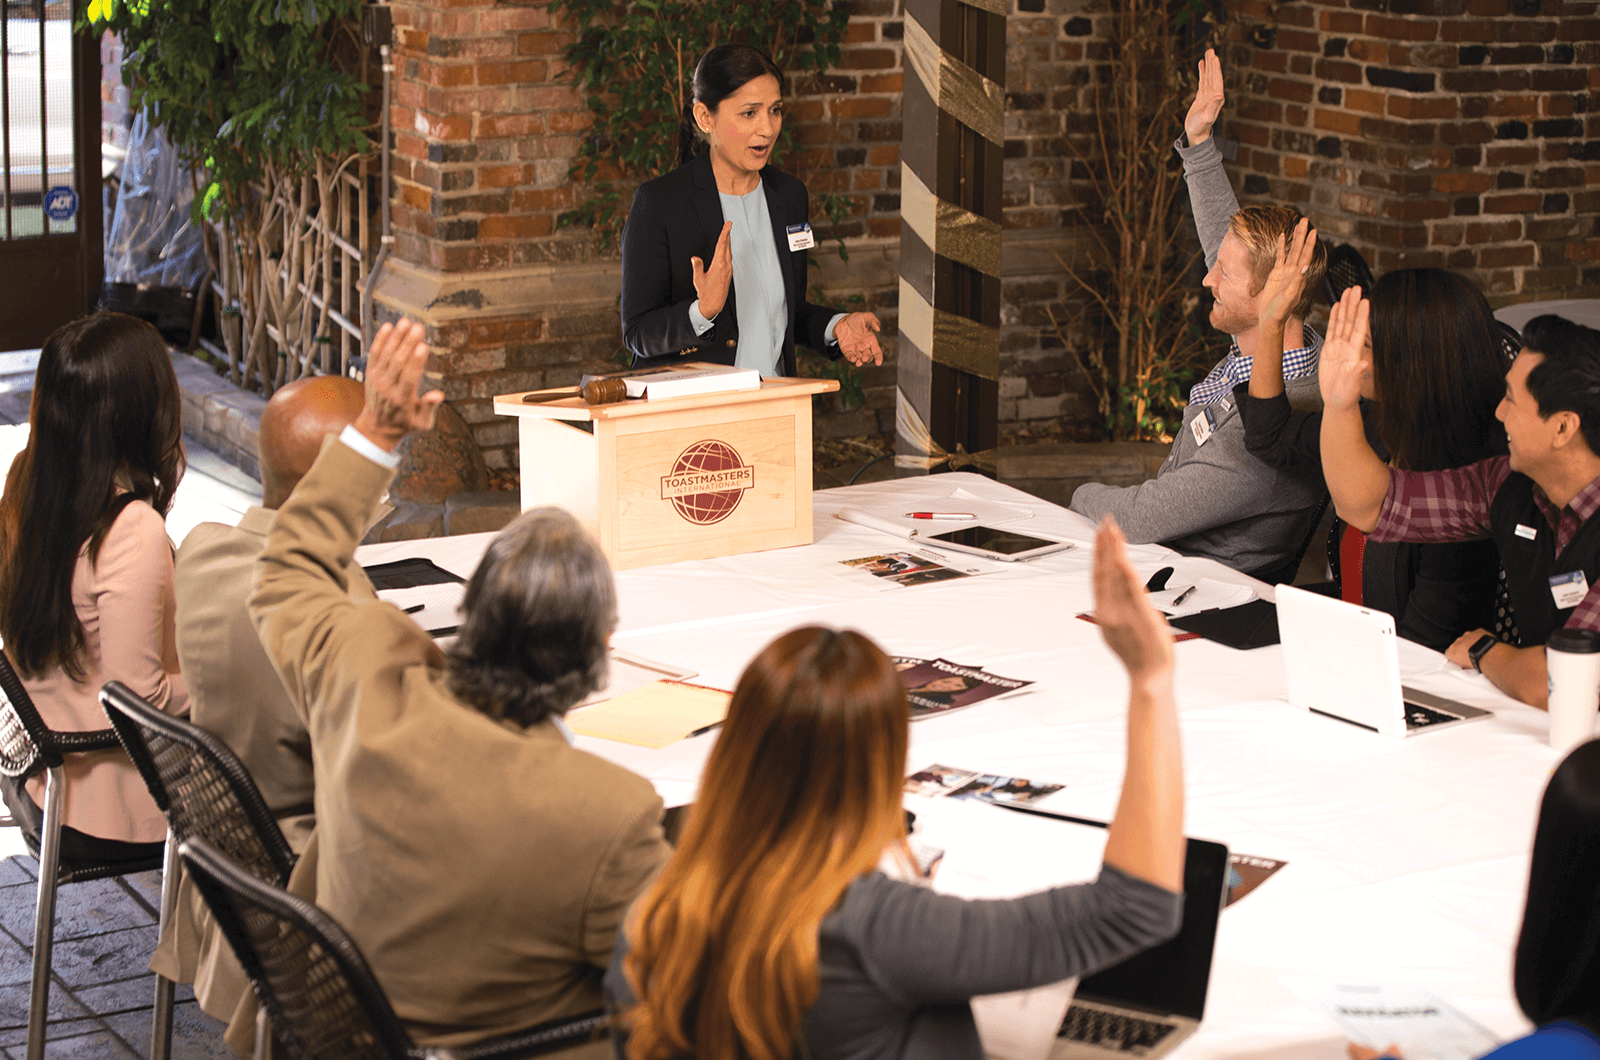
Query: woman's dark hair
x,y
1558,953
106,417
1568,379
720,73
536,618
1437,369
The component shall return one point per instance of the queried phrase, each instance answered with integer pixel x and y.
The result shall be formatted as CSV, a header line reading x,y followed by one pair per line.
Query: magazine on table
x,y
938,781
938,686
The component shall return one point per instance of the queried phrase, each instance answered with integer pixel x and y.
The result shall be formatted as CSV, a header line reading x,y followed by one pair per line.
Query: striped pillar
x,y
950,159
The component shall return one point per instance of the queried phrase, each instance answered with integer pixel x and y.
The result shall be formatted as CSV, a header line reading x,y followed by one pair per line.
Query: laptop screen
x,y
1171,979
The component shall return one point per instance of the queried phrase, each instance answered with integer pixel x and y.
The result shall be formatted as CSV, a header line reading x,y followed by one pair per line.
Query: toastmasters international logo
x,y
707,481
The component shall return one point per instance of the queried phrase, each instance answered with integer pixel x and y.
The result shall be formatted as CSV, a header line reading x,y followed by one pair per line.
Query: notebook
x,y
1148,1004
1342,661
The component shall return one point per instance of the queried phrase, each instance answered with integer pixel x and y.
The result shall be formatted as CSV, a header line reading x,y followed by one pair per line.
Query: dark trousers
x,y
76,846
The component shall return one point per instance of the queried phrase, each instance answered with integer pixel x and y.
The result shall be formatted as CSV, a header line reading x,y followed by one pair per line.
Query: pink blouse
x,y
125,604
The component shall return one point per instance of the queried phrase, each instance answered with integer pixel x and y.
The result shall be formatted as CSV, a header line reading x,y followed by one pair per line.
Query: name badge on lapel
x,y
1204,426
1569,589
1524,530
800,237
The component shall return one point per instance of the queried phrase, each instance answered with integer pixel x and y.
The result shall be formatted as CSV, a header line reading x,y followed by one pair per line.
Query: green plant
x,y
265,99
1142,346
634,62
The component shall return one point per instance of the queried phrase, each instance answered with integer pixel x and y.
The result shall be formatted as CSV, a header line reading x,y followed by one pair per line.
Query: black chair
x,y
323,1000
204,790
1510,341
1284,572
1346,269
28,746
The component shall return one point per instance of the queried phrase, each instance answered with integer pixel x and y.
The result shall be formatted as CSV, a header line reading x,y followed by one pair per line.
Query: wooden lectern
x,y
681,478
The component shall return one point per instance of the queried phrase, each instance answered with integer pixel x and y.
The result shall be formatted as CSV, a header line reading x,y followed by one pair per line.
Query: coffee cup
x,y
1572,659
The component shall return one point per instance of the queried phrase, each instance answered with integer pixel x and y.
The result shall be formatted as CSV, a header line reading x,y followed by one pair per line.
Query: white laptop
x,y
1343,661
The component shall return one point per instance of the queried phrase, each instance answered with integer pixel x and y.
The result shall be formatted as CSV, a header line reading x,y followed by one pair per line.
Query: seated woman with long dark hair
x,y
1438,373
1557,968
770,934
86,567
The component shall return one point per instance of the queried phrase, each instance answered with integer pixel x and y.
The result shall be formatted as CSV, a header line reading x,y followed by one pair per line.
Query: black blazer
x,y
679,216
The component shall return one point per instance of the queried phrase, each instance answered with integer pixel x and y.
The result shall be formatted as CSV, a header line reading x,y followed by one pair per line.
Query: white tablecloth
x,y
1407,859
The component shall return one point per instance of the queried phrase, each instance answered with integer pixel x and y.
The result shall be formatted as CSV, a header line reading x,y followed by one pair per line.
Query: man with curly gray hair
x,y
481,862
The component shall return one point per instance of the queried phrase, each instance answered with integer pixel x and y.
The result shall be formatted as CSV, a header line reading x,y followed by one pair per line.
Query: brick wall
x,y
1449,133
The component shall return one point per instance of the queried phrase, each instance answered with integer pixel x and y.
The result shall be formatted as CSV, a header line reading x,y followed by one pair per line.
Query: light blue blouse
x,y
763,308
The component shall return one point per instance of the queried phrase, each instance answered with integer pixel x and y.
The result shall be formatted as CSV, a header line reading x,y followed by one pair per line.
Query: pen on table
x,y
1185,594
414,608
702,730
940,515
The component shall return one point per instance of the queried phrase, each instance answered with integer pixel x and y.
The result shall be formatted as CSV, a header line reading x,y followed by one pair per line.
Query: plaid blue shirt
x,y
1235,369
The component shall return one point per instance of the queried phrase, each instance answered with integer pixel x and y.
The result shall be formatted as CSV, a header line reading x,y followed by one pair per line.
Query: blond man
x,y
1211,497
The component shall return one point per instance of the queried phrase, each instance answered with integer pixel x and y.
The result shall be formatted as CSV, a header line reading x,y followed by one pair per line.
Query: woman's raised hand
x,y
711,285
1133,629
857,336
1288,276
1346,361
1207,103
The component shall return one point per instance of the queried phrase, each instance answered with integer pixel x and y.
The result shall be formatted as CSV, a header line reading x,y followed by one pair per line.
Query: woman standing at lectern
x,y
714,253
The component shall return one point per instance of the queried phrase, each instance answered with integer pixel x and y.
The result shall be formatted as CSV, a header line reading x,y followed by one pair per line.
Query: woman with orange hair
x,y
770,933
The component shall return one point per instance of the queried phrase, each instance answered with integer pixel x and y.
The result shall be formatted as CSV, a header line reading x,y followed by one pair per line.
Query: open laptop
x,y
1342,660
1148,1004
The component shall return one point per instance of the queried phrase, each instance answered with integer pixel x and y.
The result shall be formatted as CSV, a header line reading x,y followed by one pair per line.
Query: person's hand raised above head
x,y
1207,103
1133,629
1346,360
711,284
394,408
1288,277
857,336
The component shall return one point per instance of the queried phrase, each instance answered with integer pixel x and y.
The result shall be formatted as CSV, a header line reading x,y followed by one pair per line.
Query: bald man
x,y
235,691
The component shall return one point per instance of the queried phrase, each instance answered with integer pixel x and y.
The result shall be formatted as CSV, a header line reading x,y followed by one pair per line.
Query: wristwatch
x,y
1479,649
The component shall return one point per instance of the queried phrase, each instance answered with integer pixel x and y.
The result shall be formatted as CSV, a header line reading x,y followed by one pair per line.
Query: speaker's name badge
x,y
1569,589
1524,530
800,237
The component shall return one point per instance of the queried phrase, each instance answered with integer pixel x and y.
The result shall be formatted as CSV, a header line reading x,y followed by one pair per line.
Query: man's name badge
x,y
1204,426
1569,589
1523,530
800,237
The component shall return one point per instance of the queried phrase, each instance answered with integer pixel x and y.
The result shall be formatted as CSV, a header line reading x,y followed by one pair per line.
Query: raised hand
x,y
1207,103
393,407
1133,629
711,285
857,337
1346,361
1288,277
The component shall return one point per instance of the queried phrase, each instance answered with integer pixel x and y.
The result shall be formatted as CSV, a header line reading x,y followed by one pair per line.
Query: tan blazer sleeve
x,y
301,605
639,852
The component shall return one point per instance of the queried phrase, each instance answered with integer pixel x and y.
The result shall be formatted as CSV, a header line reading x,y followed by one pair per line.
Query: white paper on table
x,y
992,852
1416,660
1379,1015
892,519
966,566
627,671
441,603
1209,594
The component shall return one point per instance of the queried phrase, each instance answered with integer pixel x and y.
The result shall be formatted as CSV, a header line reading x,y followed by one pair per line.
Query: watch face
x,y
1480,649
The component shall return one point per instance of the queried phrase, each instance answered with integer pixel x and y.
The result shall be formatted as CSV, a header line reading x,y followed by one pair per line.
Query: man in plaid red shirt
x,y
1536,503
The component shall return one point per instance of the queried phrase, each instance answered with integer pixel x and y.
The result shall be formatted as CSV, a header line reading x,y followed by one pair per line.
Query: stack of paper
x,y
655,715
1208,595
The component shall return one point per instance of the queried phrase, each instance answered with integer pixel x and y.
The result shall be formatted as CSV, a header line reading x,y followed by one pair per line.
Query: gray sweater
x,y
899,962
1215,500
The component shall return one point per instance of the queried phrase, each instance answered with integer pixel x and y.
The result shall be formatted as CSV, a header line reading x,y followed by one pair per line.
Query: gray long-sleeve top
x,y
1215,499
898,963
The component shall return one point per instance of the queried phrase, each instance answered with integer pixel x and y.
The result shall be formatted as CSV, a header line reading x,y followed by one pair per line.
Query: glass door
x,y
50,213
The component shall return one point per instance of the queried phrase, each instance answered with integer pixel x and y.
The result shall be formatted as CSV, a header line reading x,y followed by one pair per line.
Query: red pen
x,y
940,515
